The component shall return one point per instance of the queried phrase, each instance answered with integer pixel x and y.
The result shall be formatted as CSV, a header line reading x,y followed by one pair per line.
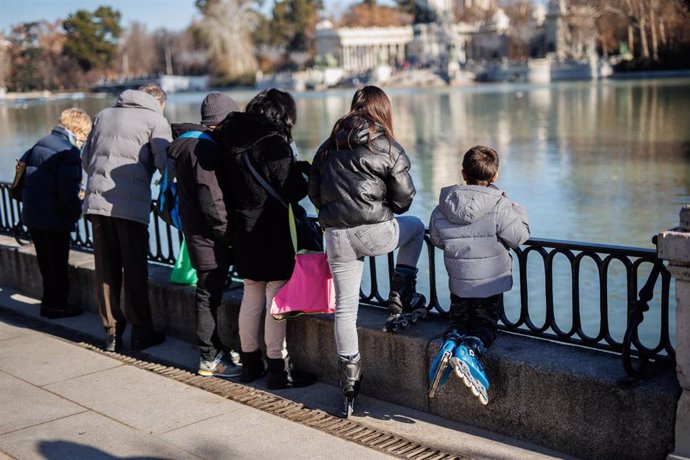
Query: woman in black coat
x,y
52,206
264,255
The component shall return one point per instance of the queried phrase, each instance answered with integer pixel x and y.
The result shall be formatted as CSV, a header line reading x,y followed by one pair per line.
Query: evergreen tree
x,y
92,37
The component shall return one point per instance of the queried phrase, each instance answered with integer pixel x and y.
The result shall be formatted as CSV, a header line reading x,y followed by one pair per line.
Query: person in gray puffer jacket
x,y
474,225
127,144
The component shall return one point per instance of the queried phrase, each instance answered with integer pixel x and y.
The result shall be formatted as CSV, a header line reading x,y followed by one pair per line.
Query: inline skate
x,y
350,379
465,362
405,305
440,367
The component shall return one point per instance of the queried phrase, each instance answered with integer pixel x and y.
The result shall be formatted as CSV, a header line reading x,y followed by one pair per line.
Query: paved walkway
x,y
59,400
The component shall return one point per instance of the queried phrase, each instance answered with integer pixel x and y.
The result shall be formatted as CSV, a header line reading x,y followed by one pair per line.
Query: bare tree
x,y
227,28
522,28
4,61
137,53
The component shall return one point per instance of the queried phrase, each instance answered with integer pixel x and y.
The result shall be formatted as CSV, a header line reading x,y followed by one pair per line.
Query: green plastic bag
x,y
182,272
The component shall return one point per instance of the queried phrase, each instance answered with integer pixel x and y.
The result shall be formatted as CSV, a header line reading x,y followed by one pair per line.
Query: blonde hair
x,y
77,121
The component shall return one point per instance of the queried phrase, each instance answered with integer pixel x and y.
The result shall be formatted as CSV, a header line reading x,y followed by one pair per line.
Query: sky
x,y
171,14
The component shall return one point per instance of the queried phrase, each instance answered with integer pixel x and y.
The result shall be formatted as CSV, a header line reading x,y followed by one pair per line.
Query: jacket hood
x,y
354,131
464,204
63,132
240,130
178,146
132,98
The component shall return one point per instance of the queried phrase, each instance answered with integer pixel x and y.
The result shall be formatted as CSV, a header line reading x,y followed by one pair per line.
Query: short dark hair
x,y
276,105
155,91
480,165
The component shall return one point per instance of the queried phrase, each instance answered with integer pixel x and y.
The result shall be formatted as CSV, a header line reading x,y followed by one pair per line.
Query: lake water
x,y
604,162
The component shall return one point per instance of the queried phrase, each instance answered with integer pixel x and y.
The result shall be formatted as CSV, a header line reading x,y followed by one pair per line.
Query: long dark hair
x,y
276,105
370,106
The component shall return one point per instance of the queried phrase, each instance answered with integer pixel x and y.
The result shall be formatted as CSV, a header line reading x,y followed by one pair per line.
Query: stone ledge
x,y
674,246
567,398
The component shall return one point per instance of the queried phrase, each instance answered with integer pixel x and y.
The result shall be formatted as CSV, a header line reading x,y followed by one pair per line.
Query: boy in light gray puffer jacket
x,y
474,225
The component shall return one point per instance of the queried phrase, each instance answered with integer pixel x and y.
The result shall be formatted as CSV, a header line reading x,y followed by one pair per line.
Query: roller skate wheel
x,y
413,319
483,399
475,391
349,407
404,323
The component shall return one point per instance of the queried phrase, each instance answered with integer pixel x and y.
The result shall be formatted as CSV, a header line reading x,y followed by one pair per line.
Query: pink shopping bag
x,y
309,289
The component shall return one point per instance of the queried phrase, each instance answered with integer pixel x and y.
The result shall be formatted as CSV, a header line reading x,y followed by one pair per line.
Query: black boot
x,y
252,366
282,375
403,298
350,379
403,295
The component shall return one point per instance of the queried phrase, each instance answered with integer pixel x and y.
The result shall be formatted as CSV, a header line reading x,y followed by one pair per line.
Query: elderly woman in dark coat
x,y
52,206
264,255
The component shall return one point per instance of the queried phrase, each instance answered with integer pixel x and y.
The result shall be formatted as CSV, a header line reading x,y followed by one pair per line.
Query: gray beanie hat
x,y
215,107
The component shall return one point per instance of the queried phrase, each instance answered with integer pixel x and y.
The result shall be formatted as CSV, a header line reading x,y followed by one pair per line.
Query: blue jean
x,y
347,247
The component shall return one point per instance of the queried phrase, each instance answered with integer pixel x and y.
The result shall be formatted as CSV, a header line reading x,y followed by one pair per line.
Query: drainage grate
x,y
349,429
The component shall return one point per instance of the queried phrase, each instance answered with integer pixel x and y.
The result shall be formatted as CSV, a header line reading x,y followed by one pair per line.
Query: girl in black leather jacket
x,y
360,178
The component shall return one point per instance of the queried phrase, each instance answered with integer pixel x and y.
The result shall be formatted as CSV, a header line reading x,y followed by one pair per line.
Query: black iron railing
x,y
164,246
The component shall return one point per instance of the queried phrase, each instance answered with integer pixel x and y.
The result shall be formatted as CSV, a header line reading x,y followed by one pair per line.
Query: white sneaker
x,y
222,366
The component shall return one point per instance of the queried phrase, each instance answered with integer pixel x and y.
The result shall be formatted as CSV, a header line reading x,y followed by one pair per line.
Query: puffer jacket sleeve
x,y
315,178
86,151
211,198
511,223
436,239
68,179
399,186
160,138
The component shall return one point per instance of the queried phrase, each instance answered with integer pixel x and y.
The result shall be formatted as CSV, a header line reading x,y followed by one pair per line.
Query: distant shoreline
x,y
16,97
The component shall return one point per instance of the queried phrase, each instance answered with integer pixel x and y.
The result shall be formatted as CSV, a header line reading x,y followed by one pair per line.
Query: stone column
x,y
674,246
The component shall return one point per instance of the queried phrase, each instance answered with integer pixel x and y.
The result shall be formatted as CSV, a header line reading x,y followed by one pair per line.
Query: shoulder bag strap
x,y
263,182
271,191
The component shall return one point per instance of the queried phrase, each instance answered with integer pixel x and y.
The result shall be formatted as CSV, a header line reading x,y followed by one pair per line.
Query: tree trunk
x,y
652,21
643,33
631,40
631,31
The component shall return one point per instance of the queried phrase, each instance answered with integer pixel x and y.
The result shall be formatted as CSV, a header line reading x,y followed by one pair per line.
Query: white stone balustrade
x,y
674,246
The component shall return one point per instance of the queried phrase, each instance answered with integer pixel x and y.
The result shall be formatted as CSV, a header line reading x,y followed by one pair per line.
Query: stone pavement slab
x,y
142,399
11,331
246,435
34,357
14,395
87,436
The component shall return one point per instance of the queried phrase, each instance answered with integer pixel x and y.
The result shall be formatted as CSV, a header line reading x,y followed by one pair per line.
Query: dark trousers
x,y
120,251
209,293
477,317
52,252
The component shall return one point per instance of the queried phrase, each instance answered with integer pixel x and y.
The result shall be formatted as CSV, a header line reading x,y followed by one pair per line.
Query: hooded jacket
x,y
50,193
357,179
126,145
262,244
473,225
203,194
